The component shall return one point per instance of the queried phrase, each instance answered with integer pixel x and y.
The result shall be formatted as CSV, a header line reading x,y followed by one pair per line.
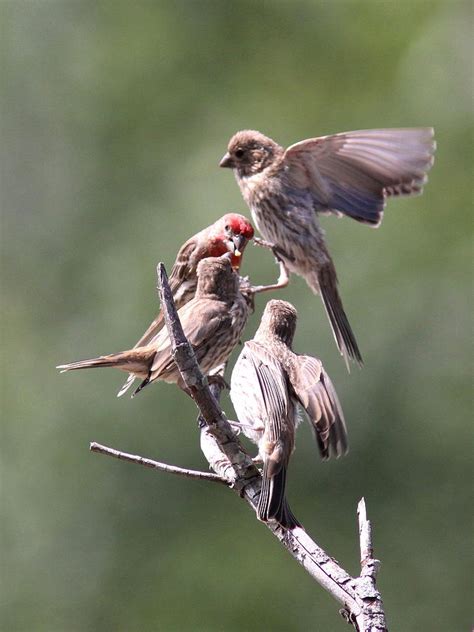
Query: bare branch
x,y
362,604
183,353
156,465
365,535
228,458
372,616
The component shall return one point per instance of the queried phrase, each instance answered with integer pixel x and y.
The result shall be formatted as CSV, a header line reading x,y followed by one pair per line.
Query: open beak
x,y
239,242
226,161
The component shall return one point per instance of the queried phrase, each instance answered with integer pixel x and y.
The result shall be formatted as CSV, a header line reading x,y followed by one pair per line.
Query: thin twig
x,y
156,465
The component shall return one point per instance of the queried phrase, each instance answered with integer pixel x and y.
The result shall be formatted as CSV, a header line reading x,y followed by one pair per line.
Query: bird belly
x,y
294,228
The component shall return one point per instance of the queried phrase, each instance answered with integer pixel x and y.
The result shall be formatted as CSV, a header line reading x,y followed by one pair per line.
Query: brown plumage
x,y
351,174
230,233
212,321
268,383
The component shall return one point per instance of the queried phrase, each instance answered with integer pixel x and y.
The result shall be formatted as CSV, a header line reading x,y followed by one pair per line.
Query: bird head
x,y
250,152
231,233
216,277
278,320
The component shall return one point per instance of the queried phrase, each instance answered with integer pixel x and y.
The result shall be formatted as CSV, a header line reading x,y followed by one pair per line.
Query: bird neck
x,y
277,340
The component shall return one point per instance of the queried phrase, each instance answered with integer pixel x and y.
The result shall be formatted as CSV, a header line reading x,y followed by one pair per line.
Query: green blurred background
x,y
114,117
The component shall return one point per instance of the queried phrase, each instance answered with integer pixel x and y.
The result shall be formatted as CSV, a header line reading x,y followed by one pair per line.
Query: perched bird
x,y
212,322
350,174
268,383
229,233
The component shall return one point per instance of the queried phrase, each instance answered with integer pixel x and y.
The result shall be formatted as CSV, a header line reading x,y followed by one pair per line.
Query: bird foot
x,y
239,425
277,250
219,381
282,282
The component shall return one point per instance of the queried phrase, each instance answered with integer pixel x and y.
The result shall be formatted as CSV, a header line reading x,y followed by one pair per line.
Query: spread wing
x,y
317,395
354,172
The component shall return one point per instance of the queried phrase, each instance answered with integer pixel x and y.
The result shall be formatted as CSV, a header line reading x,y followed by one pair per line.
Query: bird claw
x,y
282,282
219,381
258,241
278,252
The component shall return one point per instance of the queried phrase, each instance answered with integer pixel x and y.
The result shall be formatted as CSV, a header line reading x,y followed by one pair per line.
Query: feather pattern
x,y
212,321
213,241
268,383
354,172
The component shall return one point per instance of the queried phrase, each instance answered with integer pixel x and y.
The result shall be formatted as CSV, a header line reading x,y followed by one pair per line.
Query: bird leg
x,y
277,250
282,282
239,425
279,255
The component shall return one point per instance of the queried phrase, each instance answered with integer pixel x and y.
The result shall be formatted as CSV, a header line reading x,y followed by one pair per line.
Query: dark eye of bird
x,y
239,153
227,228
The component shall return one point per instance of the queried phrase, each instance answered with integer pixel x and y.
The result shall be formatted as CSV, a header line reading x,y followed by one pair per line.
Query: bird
x,y
230,233
268,385
212,321
351,174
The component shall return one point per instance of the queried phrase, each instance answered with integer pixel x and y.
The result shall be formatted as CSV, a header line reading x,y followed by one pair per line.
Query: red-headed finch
x,y
351,174
229,233
268,383
212,322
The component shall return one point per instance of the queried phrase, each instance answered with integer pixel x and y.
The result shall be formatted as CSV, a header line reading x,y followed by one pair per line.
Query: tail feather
x,y
136,361
141,386
128,383
341,329
102,361
272,503
153,330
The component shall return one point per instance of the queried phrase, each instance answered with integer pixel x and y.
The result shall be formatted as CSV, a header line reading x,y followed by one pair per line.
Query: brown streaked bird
x,y
212,322
351,174
268,383
230,233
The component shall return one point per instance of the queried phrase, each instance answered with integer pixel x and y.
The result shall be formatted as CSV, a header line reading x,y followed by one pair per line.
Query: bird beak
x,y
238,242
226,161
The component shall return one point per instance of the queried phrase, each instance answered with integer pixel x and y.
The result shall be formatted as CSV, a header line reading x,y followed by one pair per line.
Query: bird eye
x,y
239,153
227,227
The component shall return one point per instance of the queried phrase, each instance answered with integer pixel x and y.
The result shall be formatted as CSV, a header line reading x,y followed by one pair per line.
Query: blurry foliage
x,y
114,117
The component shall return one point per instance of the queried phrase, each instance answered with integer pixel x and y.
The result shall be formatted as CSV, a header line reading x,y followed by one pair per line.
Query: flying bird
x,y
229,233
269,382
212,321
351,174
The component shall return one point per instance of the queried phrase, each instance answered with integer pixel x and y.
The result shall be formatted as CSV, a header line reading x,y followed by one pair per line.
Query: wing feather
x,y
272,386
354,172
318,397
180,272
197,331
